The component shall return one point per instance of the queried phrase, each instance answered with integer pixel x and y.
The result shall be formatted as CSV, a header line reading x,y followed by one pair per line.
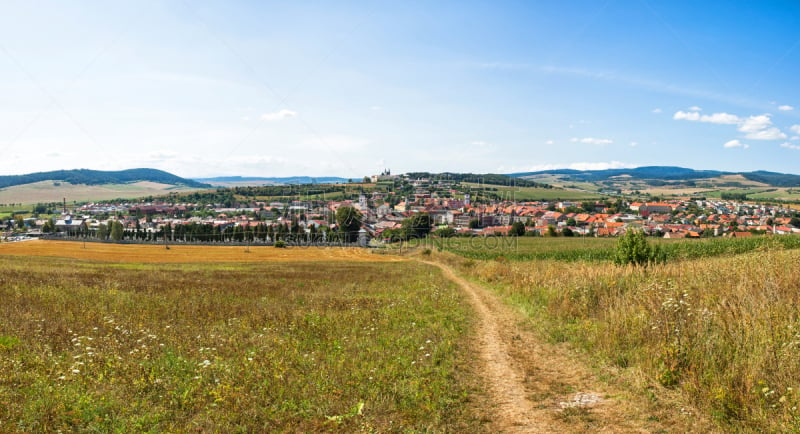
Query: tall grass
x,y
723,331
237,347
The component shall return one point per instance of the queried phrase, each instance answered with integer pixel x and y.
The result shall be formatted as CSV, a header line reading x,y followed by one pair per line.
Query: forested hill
x,y
665,173
98,177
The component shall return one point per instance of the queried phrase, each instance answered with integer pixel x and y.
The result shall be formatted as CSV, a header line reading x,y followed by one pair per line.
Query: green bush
x,y
633,248
280,244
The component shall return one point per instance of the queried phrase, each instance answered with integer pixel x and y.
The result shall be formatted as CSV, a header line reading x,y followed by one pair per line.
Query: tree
x,y
474,224
102,231
445,232
567,232
517,229
349,221
116,231
571,222
633,248
418,226
551,231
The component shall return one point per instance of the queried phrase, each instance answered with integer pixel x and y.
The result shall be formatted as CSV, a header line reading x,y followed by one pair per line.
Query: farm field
x,y
532,193
334,342
573,249
47,191
148,253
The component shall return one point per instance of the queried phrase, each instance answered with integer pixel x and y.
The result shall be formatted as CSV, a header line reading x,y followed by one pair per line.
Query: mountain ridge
x,y
97,177
666,173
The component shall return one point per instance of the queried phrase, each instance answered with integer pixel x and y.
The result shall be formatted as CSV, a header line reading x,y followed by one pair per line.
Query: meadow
x,y
48,191
532,193
717,324
324,344
573,249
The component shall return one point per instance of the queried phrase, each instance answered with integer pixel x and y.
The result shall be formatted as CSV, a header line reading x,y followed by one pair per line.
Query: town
x,y
386,208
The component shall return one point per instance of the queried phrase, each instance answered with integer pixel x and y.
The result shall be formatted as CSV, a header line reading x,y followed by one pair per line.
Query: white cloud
x,y
592,141
245,118
760,128
686,116
757,127
599,165
735,144
480,143
695,108
376,108
790,146
771,133
795,129
656,110
755,123
549,142
715,118
785,108
633,144
279,115
720,118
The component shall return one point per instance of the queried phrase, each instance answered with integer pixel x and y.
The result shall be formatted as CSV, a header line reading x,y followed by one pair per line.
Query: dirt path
x,y
541,387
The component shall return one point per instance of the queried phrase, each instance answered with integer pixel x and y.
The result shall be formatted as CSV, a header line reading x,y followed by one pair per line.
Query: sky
x,y
324,88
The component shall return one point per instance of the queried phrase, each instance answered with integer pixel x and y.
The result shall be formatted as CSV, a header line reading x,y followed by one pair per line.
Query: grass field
x,y
573,249
47,191
325,341
533,193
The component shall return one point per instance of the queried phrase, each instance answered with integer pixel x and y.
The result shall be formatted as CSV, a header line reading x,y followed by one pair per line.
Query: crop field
x,y
47,191
324,343
533,193
143,253
719,327
571,249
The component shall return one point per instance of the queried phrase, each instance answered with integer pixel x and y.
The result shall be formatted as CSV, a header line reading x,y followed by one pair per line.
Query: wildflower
x,y
76,371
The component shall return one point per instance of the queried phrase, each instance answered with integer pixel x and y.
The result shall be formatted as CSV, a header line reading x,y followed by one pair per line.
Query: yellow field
x,y
47,191
188,254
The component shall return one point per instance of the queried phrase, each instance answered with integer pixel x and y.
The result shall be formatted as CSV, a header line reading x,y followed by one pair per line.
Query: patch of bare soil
x,y
539,387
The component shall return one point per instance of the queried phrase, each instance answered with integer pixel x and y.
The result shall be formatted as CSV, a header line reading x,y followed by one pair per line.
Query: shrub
x,y
280,244
633,248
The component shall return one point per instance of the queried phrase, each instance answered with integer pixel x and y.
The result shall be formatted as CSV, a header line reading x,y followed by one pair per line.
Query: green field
x,y
259,347
511,193
592,249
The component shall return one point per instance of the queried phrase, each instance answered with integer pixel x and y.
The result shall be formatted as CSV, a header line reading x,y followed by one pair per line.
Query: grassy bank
x,y
292,346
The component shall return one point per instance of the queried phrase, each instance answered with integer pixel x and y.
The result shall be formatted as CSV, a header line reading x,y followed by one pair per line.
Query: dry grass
x,y
236,347
187,254
723,333
47,191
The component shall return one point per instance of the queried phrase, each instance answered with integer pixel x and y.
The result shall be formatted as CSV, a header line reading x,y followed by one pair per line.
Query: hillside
x,y
662,173
232,181
99,177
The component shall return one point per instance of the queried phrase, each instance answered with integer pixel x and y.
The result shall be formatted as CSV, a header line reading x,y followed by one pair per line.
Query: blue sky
x,y
348,88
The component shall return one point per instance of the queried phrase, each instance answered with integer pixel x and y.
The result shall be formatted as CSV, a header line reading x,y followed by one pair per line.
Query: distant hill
x,y
665,173
99,177
242,180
